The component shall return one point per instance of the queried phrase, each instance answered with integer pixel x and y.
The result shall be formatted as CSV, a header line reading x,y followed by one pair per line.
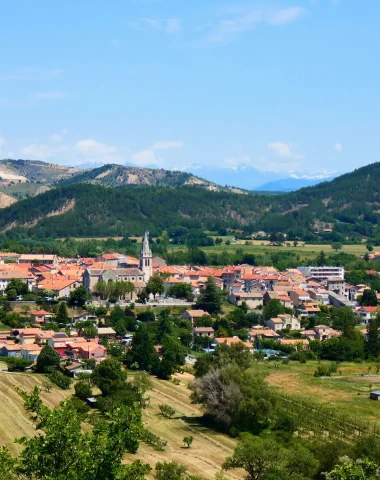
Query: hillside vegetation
x,y
119,176
349,204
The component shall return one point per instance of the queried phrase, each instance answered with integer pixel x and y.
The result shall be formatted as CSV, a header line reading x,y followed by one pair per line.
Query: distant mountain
x,y
121,176
350,204
25,178
245,177
290,184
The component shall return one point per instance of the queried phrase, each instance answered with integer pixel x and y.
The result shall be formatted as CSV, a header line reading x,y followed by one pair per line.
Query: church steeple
x,y
146,264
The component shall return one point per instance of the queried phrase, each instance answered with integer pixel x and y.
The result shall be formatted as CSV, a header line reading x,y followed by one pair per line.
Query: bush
x,y
79,406
153,440
166,410
322,371
61,380
82,390
16,364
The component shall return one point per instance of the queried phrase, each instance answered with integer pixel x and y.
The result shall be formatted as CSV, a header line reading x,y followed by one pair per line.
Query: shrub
x,y
322,371
166,410
188,441
153,440
17,364
61,380
79,406
82,390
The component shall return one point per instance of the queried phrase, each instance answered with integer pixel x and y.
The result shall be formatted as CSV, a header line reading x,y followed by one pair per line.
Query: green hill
x,y
350,205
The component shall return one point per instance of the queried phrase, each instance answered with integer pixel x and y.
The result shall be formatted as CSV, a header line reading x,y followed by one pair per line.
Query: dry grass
x,y
14,421
209,449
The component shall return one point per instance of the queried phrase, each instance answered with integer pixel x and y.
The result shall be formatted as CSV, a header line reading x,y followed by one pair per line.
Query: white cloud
x,y
166,145
166,25
338,147
144,158
243,20
32,73
287,15
286,150
58,137
54,95
91,148
42,151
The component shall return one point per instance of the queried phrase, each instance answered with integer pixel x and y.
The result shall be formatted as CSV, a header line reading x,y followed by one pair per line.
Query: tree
x,y
336,246
62,316
210,298
62,450
369,298
90,331
188,441
170,471
321,259
180,290
260,458
109,377
373,336
79,297
142,349
344,319
348,469
83,390
273,308
47,360
155,285
369,246
18,285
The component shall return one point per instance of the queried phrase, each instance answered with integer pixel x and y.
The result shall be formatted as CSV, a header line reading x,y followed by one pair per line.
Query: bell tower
x,y
146,263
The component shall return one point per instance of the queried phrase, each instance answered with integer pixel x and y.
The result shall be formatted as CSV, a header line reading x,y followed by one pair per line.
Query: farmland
x,y
205,457
14,421
347,390
262,247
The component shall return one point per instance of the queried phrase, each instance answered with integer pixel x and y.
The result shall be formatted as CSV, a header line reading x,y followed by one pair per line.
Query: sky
x,y
284,87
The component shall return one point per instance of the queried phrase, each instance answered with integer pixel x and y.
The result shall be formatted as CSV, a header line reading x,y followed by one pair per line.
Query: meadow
x,y
347,390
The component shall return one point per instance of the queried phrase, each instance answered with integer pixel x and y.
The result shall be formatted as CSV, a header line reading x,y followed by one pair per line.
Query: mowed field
x,y
208,450
14,421
347,390
205,457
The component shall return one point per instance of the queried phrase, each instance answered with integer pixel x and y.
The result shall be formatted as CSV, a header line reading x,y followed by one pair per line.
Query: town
x,y
302,297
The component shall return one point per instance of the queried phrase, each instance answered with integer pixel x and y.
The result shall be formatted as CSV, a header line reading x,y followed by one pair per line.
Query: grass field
x,y
209,449
205,457
347,390
14,421
257,247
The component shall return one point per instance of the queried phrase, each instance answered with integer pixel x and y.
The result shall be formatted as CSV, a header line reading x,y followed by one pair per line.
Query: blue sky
x,y
279,86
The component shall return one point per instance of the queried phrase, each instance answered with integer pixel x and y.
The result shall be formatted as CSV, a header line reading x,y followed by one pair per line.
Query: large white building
x,y
322,273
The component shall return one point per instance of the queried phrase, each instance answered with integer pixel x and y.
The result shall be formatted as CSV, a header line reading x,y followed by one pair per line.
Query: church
x,y
120,268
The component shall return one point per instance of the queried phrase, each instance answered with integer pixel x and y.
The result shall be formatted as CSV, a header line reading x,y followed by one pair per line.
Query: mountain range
x,y
26,178
350,204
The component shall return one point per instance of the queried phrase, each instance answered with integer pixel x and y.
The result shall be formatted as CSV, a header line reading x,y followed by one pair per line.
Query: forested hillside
x,y
349,205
